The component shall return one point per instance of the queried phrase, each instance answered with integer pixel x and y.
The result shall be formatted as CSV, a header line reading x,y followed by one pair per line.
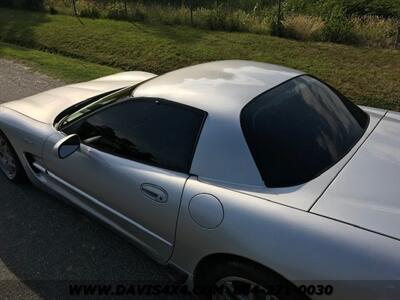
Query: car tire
x,y
247,279
10,165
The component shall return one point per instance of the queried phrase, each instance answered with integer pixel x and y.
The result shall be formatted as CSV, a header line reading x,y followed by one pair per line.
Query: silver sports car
x,y
242,175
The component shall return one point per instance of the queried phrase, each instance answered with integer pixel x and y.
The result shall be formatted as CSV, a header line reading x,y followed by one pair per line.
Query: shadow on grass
x,y
13,31
179,34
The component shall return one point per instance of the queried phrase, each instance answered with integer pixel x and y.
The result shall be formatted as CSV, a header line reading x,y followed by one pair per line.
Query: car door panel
x,y
134,160
114,188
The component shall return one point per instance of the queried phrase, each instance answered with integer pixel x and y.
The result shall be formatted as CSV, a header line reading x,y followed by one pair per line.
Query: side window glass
x,y
155,132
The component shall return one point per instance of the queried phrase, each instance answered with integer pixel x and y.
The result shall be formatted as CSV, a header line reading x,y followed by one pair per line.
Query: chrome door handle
x,y
154,192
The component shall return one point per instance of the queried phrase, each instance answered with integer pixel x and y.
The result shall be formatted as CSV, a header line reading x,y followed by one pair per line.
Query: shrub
x,y
277,27
304,28
338,29
34,4
382,8
216,18
90,12
117,14
138,15
231,20
52,10
375,31
301,6
9,3
167,15
37,5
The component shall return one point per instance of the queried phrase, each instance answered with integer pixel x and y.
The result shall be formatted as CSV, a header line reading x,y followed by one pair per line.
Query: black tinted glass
x,y
97,104
155,132
299,129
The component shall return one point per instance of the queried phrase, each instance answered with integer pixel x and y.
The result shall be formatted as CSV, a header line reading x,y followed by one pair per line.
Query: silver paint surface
x,y
221,89
367,192
206,210
45,106
354,205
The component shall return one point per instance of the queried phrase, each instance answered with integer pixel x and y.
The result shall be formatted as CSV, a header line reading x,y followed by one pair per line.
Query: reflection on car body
x,y
237,173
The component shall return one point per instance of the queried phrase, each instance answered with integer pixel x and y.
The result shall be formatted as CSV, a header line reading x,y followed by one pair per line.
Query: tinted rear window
x,y
299,129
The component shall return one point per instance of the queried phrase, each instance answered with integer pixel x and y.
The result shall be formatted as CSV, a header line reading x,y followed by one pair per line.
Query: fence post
x,y
126,8
191,12
277,23
279,11
76,11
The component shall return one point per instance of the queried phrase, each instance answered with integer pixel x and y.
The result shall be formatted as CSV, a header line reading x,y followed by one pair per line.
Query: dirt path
x,y
18,81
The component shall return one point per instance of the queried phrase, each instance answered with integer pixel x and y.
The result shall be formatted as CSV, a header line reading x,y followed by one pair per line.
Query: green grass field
x,y
65,68
367,76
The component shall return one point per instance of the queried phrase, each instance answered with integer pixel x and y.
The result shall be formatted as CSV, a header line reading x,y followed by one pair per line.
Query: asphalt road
x,y
44,241
18,81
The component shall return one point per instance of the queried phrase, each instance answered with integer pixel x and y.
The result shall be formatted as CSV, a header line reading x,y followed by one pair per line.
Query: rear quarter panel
x,y
301,246
367,191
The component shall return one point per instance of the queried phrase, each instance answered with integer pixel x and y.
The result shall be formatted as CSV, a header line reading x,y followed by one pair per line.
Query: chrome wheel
x,y
237,288
8,164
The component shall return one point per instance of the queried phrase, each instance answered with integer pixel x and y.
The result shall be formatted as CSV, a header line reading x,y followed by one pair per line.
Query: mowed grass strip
x,y
367,76
68,69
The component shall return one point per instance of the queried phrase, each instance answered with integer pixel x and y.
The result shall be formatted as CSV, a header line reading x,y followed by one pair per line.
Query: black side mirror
x,y
67,146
